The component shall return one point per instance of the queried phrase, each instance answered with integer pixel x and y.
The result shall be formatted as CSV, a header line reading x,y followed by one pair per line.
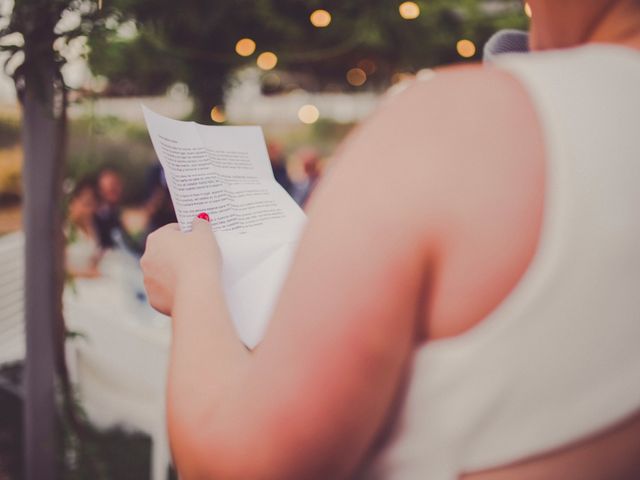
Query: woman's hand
x,y
171,257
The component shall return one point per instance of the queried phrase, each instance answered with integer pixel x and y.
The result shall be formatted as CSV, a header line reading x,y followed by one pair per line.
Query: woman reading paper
x,y
471,313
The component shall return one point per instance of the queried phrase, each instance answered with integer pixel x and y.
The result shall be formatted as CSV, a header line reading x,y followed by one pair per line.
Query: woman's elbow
x,y
251,456
215,455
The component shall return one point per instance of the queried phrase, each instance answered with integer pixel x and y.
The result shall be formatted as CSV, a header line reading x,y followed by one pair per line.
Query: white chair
x,y
118,366
12,335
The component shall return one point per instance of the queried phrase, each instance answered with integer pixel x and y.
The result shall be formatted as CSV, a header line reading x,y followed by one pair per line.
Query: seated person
x,y
158,205
310,160
108,214
278,164
83,251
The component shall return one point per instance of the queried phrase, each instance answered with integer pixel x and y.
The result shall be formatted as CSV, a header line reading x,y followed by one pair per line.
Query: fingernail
x,y
203,216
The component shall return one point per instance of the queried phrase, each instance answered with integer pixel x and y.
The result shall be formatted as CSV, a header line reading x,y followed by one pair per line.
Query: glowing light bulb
x,y
308,114
217,114
369,66
267,60
400,77
320,18
466,48
245,47
356,77
409,10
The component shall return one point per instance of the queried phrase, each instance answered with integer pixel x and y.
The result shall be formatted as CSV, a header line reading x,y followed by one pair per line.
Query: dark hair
x,y
81,186
109,168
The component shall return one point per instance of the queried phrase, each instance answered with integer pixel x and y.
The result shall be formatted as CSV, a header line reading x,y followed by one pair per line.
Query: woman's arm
x,y
311,398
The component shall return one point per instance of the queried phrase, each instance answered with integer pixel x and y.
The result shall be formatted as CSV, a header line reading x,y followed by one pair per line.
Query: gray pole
x,y
42,144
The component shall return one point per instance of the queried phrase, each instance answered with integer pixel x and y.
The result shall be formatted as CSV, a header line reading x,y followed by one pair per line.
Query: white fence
x,y
12,337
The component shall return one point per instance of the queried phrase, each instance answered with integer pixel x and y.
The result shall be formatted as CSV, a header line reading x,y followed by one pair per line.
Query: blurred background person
x,y
111,231
278,164
158,205
83,251
309,158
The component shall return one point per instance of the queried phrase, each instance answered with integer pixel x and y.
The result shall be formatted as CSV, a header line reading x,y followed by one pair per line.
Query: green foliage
x,y
324,136
9,131
85,452
96,142
90,453
137,66
194,40
106,455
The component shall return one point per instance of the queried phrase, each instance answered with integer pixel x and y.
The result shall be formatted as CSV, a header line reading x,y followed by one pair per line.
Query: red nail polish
x,y
203,216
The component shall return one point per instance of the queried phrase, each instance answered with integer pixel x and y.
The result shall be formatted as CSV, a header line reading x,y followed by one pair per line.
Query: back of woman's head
x,y
85,185
83,201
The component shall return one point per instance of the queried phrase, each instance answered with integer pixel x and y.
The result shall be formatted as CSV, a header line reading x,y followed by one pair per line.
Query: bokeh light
x,y
527,10
308,114
267,60
466,48
369,66
320,18
245,47
425,74
217,114
400,77
409,10
356,77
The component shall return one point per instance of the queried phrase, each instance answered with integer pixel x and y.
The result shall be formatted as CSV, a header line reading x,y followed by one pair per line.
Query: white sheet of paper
x,y
225,172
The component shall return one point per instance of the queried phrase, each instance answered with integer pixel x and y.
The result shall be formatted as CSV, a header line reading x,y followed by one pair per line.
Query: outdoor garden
x,y
77,72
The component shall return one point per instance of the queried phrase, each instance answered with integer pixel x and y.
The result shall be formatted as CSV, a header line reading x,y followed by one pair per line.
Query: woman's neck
x,y
569,23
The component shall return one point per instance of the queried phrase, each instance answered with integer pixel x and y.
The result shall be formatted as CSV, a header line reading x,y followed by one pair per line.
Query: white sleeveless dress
x,y
559,359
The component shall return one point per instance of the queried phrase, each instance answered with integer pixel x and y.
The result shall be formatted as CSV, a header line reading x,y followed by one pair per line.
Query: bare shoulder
x,y
456,163
467,128
482,97
461,115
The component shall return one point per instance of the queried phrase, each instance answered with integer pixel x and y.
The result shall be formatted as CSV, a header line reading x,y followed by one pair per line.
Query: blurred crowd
x,y
95,219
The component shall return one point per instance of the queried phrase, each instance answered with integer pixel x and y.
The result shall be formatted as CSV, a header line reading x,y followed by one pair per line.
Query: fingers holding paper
x,y
171,255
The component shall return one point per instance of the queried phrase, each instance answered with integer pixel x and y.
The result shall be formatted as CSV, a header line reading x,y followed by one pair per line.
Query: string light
x,y
369,66
527,10
267,60
356,77
245,47
217,114
409,10
466,48
308,114
320,18
425,74
400,77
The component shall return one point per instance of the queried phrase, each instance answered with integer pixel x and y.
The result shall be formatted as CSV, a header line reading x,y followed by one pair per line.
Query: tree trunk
x,y
43,138
207,89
